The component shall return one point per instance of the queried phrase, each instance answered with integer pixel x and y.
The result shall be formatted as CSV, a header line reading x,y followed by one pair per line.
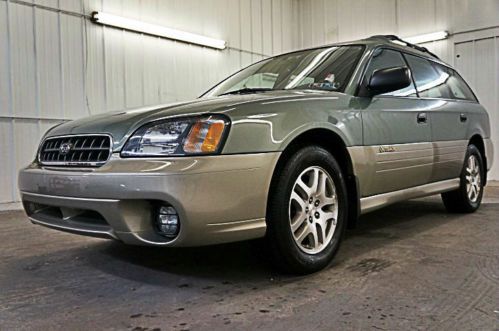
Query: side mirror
x,y
389,80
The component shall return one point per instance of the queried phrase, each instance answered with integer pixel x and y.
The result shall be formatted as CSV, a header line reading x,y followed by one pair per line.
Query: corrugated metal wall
x,y
477,58
326,21
57,65
473,24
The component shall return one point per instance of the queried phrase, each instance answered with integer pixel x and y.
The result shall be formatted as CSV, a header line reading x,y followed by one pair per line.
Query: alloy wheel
x,y
473,179
313,210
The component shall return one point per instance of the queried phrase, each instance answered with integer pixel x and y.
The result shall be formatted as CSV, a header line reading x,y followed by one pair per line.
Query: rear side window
x,y
434,80
387,58
430,83
457,87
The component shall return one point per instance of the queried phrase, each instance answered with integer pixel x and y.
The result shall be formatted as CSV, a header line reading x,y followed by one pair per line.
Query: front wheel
x,y
468,197
307,211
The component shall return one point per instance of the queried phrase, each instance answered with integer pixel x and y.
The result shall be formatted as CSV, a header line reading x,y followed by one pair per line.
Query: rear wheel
x,y
468,197
307,211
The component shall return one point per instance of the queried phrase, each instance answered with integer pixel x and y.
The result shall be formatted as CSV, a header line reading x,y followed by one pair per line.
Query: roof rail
x,y
392,37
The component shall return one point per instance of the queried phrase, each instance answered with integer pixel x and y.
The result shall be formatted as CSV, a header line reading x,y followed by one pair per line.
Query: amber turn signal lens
x,y
204,137
213,137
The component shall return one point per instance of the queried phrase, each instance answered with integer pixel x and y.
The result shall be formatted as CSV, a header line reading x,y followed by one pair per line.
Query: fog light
x,y
167,221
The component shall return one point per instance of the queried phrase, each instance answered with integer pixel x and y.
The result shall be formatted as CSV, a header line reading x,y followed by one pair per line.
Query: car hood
x,y
121,124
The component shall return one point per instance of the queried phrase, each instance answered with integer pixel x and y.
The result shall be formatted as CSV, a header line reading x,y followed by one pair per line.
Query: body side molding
x,y
374,202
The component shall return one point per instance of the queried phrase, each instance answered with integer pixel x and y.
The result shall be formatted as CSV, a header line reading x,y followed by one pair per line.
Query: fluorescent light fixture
x,y
156,30
427,37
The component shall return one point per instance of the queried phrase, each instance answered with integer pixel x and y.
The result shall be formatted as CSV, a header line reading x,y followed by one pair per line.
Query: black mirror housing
x,y
389,80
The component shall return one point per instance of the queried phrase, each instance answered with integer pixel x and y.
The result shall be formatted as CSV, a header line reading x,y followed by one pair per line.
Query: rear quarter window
x,y
434,80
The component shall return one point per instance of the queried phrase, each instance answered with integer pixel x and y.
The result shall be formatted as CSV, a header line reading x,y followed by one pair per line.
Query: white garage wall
x,y
57,65
474,25
477,58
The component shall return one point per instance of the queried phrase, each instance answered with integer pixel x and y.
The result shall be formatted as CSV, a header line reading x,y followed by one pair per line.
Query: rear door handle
x,y
422,118
463,117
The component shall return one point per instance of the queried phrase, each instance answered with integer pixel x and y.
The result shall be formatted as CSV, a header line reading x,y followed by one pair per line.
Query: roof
x,y
382,40
393,39
396,43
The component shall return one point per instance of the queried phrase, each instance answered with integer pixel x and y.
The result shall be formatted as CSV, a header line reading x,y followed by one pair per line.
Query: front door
x,y
397,135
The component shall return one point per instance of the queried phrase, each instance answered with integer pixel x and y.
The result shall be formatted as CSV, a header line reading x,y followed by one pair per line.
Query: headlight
x,y
186,136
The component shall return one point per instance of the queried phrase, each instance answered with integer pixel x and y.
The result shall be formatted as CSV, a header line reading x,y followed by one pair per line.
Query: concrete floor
x,y
409,266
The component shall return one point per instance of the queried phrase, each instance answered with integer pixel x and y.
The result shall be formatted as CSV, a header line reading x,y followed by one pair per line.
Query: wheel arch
x,y
334,143
477,141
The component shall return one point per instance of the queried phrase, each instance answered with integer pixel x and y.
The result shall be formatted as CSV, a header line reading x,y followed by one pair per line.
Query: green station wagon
x,y
292,148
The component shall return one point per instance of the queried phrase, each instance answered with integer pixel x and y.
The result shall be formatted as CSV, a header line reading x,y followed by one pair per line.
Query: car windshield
x,y
327,68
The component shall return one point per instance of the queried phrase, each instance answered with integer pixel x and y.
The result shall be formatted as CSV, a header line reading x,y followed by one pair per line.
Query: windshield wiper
x,y
248,90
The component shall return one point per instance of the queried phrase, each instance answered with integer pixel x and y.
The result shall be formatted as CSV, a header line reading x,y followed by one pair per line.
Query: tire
x,y
290,249
461,200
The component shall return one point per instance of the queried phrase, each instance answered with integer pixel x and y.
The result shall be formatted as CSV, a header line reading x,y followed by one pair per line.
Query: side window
x,y
456,86
387,58
430,82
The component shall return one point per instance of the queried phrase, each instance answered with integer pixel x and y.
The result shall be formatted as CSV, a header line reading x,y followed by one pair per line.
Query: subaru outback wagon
x,y
292,148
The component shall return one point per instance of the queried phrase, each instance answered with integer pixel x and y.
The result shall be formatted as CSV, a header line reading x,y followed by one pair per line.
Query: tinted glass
x,y
456,86
386,58
325,69
430,82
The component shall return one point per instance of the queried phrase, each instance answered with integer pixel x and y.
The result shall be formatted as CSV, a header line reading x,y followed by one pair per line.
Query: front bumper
x,y
219,198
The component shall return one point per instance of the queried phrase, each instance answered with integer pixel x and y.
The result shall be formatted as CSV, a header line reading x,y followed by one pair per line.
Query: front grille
x,y
76,151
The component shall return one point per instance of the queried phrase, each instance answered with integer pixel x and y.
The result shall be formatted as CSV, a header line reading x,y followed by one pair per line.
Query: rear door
x,y
397,134
442,93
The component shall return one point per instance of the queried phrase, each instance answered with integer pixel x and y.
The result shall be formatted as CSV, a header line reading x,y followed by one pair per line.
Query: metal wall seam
x,y
11,107
61,60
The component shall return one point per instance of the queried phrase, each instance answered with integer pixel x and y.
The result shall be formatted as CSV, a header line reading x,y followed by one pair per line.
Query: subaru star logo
x,y
65,148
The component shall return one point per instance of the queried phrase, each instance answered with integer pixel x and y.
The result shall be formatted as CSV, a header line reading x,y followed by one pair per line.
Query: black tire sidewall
x,y
279,226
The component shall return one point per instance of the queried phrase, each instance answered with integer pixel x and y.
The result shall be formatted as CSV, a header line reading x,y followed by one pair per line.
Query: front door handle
x,y
463,118
422,118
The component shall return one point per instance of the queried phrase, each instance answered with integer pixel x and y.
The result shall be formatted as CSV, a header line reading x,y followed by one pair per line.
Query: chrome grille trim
x,y
87,150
